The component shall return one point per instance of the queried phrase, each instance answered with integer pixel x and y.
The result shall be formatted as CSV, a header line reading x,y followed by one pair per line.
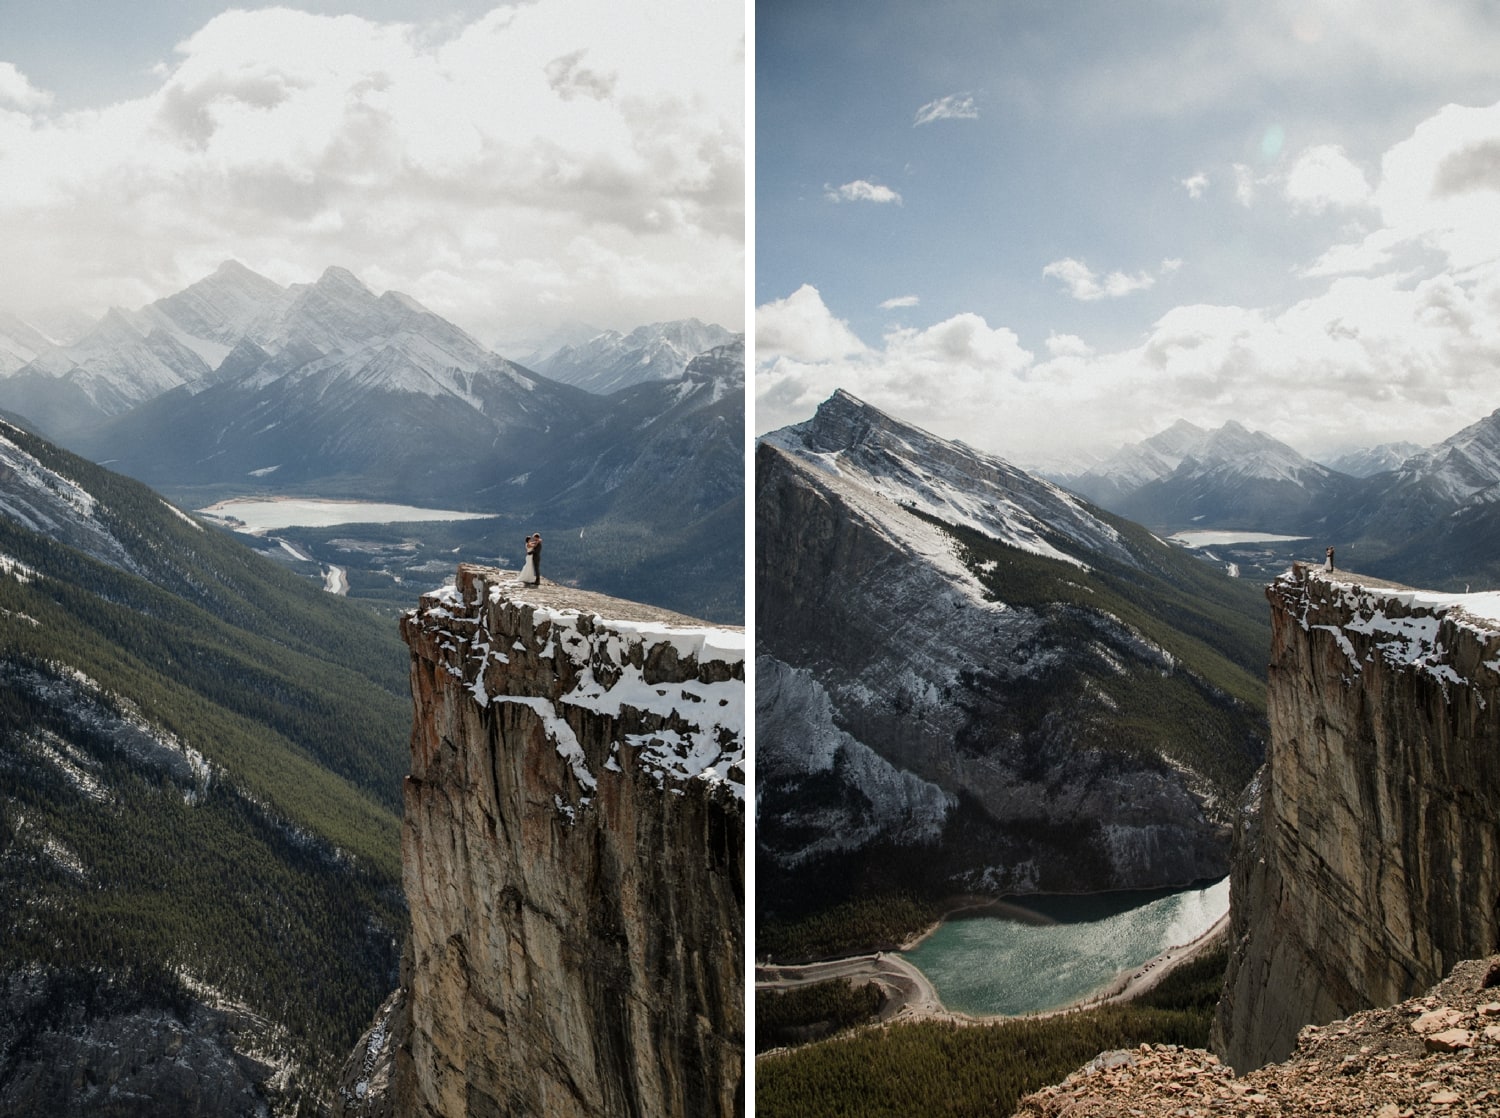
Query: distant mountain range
x,y
1400,511
1187,477
970,680
237,385
610,360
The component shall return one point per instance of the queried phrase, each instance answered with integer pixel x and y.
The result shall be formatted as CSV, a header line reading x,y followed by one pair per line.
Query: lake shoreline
x,y
911,995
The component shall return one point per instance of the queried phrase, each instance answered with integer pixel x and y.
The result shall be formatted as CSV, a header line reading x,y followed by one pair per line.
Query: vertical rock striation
x,y
1368,856
573,860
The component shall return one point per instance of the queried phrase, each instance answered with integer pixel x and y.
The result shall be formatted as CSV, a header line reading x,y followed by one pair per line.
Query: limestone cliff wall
x,y
1366,862
573,860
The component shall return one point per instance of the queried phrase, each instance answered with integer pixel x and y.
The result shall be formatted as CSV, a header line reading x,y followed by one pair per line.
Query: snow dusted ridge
x,y
674,690
1408,629
912,469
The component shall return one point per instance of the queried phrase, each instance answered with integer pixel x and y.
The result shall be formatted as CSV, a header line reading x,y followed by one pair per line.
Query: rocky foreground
x,y
1436,1054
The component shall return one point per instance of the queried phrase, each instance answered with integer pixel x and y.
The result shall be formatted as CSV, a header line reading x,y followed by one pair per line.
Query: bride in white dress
x,y
528,572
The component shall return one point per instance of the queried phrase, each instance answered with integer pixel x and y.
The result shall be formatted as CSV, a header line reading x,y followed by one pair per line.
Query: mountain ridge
x,y
981,705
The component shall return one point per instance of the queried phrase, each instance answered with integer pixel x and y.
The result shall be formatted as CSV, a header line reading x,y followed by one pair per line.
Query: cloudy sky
x,y
513,167
1049,229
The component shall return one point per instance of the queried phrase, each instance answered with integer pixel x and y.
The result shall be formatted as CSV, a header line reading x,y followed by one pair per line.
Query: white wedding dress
x,y
528,572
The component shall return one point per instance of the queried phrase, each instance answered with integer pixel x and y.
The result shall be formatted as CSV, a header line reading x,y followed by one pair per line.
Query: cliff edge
x,y
1366,860
573,861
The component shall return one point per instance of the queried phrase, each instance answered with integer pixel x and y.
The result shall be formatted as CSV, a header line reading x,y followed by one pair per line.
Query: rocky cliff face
x,y
573,862
1367,861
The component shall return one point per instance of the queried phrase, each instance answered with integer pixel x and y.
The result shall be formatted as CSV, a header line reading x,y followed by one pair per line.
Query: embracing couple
x,y
531,573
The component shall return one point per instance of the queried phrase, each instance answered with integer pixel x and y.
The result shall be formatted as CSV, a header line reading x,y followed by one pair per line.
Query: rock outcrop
x,y
90,1042
1428,1055
1368,857
573,862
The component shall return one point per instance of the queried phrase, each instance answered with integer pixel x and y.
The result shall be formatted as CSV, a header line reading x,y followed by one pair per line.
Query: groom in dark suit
x,y
536,557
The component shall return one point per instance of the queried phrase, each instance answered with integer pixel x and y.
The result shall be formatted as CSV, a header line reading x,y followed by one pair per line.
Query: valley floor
x,y
911,997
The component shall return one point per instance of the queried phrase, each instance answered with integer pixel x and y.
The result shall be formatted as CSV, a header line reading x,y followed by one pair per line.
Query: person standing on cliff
x,y
528,572
1328,562
536,558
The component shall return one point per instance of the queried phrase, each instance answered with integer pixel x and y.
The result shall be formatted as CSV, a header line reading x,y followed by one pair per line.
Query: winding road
x,y
909,994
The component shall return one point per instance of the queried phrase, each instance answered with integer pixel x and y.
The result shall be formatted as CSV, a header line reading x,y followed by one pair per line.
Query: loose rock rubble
x,y
1432,1055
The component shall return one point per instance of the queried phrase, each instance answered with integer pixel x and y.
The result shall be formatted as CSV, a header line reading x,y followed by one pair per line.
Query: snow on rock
x,y
38,498
570,655
910,469
180,515
9,565
1405,627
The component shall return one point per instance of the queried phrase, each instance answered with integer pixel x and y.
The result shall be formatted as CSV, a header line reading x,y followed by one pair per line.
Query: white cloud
x,y
899,301
17,91
1195,185
960,366
963,343
1324,176
1438,195
1084,284
548,161
861,191
955,106
1068,345
801,327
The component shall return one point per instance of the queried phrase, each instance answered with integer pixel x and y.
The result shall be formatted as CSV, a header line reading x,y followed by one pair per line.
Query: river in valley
x,y
1058,950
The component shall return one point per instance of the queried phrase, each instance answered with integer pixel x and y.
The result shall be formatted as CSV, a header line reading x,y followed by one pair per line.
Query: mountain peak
x,y
947,480
336,278
233,269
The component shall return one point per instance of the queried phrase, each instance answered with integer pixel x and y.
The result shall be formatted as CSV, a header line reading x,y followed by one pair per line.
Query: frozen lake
x,y
1222,537
262,514
993,965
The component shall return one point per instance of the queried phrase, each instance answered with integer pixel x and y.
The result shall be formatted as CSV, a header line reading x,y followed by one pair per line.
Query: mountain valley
x,y
237,386
203,754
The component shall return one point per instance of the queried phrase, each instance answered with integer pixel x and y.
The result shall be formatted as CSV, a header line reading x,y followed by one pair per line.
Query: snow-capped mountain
x,y
1460,466
1229,477
1372,460
1435,520
20,342
219,309
1137,464
610,361
331,388
43,500
947,480
955,654
111,369
326,379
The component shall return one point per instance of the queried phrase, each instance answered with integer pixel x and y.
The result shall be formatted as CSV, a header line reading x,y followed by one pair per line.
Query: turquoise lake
x,y
1076,947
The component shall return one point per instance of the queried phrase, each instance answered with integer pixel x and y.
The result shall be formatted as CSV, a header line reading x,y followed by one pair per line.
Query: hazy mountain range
x,y
609,360
1423,515
238,385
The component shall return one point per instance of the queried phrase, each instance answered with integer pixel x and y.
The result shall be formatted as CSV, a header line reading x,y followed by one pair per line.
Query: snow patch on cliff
x,y
702,720
1405,626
